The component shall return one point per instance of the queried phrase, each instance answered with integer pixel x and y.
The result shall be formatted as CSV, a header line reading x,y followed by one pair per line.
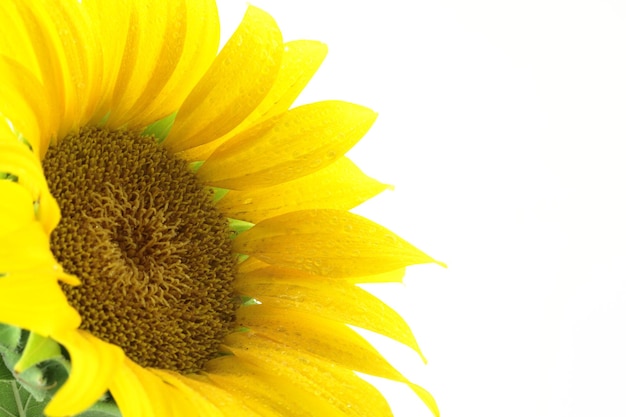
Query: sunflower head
x,y
181,234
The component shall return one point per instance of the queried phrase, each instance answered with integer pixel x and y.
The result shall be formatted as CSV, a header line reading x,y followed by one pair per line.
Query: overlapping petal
x,y
14,36
62,47
325,339
263,391
151,393
24,113
324,297
341,185
166,51
229,403
192,400
227,93
289,146
328,243
300,61
94,361
318,336
34,301
137,392
16,208
16,159
332,385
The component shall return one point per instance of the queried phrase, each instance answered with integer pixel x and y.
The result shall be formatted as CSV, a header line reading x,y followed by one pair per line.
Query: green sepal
x,y
8,176
37,349
104,120
242,329
248,301
238,226
195,166
219,193
161,128
23,140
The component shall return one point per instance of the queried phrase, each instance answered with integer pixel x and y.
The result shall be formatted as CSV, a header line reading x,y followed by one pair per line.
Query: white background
x,y
502,126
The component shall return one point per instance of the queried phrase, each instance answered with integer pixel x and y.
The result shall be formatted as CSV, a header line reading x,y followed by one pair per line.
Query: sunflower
x,y
176,239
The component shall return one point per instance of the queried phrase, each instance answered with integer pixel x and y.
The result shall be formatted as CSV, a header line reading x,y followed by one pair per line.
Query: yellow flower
x,y
208,269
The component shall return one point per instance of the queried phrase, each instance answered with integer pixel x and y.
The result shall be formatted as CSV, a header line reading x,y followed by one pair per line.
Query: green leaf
x,y
5,373
9,337
102,409
16,401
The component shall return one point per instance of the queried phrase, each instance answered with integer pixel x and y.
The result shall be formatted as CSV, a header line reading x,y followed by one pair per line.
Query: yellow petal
x,y
192,403
17,159
52,39
328,298
80,65
110,20
238,80
391,276
332,243
25,248
150,392
296,143
300,61
94,365
7,132
16,210
341,185
201,40
324,339
333,385
428,399
317,336
169,46
61,43
230,405
142,36
14,36
29,114
265,392
34,301
251,264
136,391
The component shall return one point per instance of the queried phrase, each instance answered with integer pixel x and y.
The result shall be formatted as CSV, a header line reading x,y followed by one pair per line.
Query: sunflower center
x,y
152,251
